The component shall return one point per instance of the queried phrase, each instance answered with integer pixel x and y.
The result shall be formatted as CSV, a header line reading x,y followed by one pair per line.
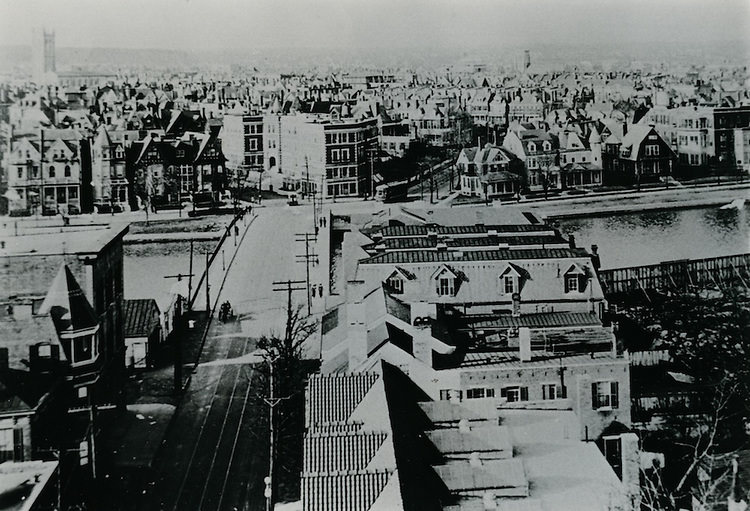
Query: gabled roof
x,y
67,305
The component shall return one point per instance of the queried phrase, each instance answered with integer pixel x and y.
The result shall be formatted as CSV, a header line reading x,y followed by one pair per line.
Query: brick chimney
x,y
631,462
516,311
524,344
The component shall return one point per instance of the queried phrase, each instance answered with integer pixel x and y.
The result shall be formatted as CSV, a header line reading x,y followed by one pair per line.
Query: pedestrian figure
x,y
313,290
236,231
320,290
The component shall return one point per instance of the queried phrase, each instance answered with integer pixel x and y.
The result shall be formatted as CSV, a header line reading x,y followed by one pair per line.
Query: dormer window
x,y
396,283
509,284
446,285
571,283
575,279
532,147
547,146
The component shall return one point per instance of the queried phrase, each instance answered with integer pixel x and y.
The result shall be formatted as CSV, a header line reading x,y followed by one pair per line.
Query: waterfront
x,y
649,237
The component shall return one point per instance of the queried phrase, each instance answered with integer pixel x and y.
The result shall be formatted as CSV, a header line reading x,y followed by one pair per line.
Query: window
x,y
445,286
509,284
45,350
552,391
67,170
83,349
515,393
652,150
72,192
52,171
11,444
604,394
396,283
480,393
20,172
571,283
83,392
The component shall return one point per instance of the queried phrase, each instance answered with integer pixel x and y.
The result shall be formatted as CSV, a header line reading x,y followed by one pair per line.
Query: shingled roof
x,y
141,317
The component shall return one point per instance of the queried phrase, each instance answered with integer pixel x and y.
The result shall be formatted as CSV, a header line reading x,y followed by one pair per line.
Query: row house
x,y
395,137
109,170
540,279
538,150
167,170
490,172
525,108
45,173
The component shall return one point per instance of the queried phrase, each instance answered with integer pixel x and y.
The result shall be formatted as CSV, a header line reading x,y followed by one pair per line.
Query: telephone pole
x,y
306,258
288,286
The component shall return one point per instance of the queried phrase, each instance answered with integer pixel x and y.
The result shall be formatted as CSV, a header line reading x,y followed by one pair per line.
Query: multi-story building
x,y
108,171
538,150
490,172
243,145
526,108
726,119
689,131
46,172
333,151
742,149
640,155
63,298
395,137
167,169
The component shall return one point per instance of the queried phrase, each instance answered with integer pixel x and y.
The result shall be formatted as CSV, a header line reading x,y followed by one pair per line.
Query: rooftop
x,y
506,254
60,243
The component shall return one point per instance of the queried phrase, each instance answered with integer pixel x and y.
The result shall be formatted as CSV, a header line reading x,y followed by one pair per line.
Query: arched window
x,y
67,170
51,171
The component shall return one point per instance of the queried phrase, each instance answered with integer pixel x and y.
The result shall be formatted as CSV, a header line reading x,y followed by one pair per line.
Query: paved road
x,y
215,454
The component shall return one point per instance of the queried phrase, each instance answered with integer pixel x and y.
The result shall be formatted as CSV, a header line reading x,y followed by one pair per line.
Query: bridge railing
x,y
712,272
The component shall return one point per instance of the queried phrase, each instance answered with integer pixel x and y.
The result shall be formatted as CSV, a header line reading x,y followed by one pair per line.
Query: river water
x,y
635,239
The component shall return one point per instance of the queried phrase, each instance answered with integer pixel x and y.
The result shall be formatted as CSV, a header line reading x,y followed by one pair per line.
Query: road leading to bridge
x,y
215,453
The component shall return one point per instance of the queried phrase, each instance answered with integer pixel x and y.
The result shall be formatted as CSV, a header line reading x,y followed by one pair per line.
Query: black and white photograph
x,y
374,255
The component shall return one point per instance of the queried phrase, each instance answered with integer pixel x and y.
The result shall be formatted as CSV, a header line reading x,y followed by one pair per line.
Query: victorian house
x,y
490,172
538,150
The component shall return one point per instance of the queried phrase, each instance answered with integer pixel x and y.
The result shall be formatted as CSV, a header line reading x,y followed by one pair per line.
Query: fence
x,y
683,275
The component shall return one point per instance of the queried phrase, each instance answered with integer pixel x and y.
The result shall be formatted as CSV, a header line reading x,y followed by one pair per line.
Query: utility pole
x,y
306,258
288,286
92,425
179,330
307,178
190,280
208,296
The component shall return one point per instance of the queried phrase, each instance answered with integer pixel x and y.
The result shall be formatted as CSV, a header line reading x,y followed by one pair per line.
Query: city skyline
x,y
384,24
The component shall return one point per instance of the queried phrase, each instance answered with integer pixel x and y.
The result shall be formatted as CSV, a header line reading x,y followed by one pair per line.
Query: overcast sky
x,y
247,24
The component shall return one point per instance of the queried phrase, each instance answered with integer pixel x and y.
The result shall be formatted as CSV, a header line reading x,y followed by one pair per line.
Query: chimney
x,y
631,461
524,344
572,241
516,311
625,129
356,316
463,426
595,260
488,500
475,460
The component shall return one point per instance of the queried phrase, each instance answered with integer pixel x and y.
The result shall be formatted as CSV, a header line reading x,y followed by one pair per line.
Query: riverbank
x,y
633,202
